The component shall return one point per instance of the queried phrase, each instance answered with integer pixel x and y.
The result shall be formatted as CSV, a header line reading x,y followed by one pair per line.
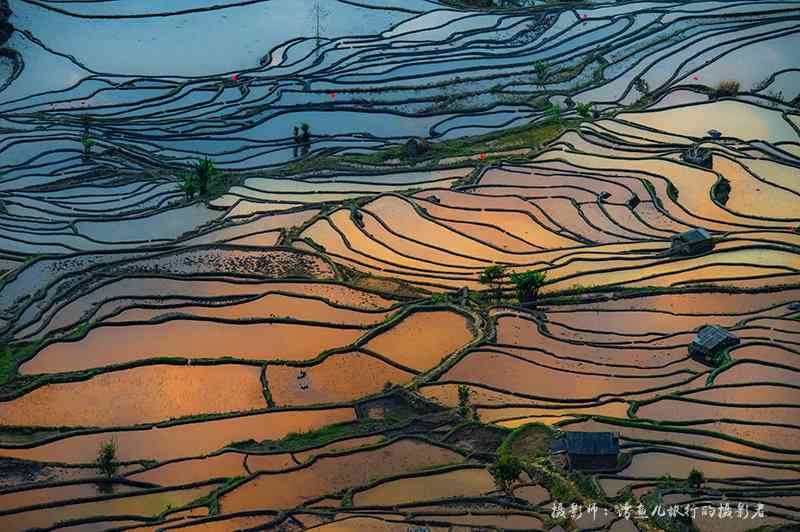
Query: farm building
x,y
710,341
692,242
699,156
588,451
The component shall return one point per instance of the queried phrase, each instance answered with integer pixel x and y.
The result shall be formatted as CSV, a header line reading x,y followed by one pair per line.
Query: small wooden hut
x,y
589,451
710,341
692,242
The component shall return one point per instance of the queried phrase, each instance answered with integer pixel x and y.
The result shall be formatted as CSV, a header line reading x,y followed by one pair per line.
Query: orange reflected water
x,y
188,471
268,306
191,339
507,373
461,483
139,395
189,440
341,377
333,474
423,339
144,505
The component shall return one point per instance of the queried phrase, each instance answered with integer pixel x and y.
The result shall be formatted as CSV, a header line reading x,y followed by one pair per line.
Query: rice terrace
x,y
400,265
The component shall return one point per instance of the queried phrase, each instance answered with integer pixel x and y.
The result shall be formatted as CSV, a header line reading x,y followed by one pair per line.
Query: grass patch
x,y
295,441
325,435
211,501
533,135
11,356
529,441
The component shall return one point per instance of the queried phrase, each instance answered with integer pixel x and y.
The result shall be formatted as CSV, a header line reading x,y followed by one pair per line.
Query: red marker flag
x,y
482,156
332,95
234,77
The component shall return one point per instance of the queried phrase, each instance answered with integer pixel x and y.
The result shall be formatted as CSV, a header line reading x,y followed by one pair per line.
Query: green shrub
x,y
188,184
463,400
506,469
204,171
491,276
696,479
553,113
542,68
584,109
528,285
106,458
727,87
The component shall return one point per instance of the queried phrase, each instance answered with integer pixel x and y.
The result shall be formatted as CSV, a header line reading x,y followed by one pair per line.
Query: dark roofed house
x,y
696,155
589,450
710,341
692,242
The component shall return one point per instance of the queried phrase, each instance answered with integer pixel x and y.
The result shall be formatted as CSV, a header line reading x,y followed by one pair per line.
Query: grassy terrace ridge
x,y
534,135
11,356
296,441
510,5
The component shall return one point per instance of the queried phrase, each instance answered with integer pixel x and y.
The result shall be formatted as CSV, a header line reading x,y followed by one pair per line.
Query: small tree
x,y
204,170
106,458
506,469
541,68
188,184
305,138
491,276
87,145
584,109
727,87
528,285
696,479
463,400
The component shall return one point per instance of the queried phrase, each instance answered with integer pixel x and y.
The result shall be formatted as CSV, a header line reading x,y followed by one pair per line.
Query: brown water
x,y
22,499
748,372
188,471
339,378
268,306
140,395
142,505
190,339
305,456
733,118
655,465
367,524
709,443
262,224
508,373
332,474
404,252
189,440
460,483
419,342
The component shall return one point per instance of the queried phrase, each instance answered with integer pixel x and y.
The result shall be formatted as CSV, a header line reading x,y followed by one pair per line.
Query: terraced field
x,y
333,333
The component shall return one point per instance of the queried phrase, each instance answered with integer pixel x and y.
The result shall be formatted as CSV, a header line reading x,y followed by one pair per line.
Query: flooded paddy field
x,y
404,265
